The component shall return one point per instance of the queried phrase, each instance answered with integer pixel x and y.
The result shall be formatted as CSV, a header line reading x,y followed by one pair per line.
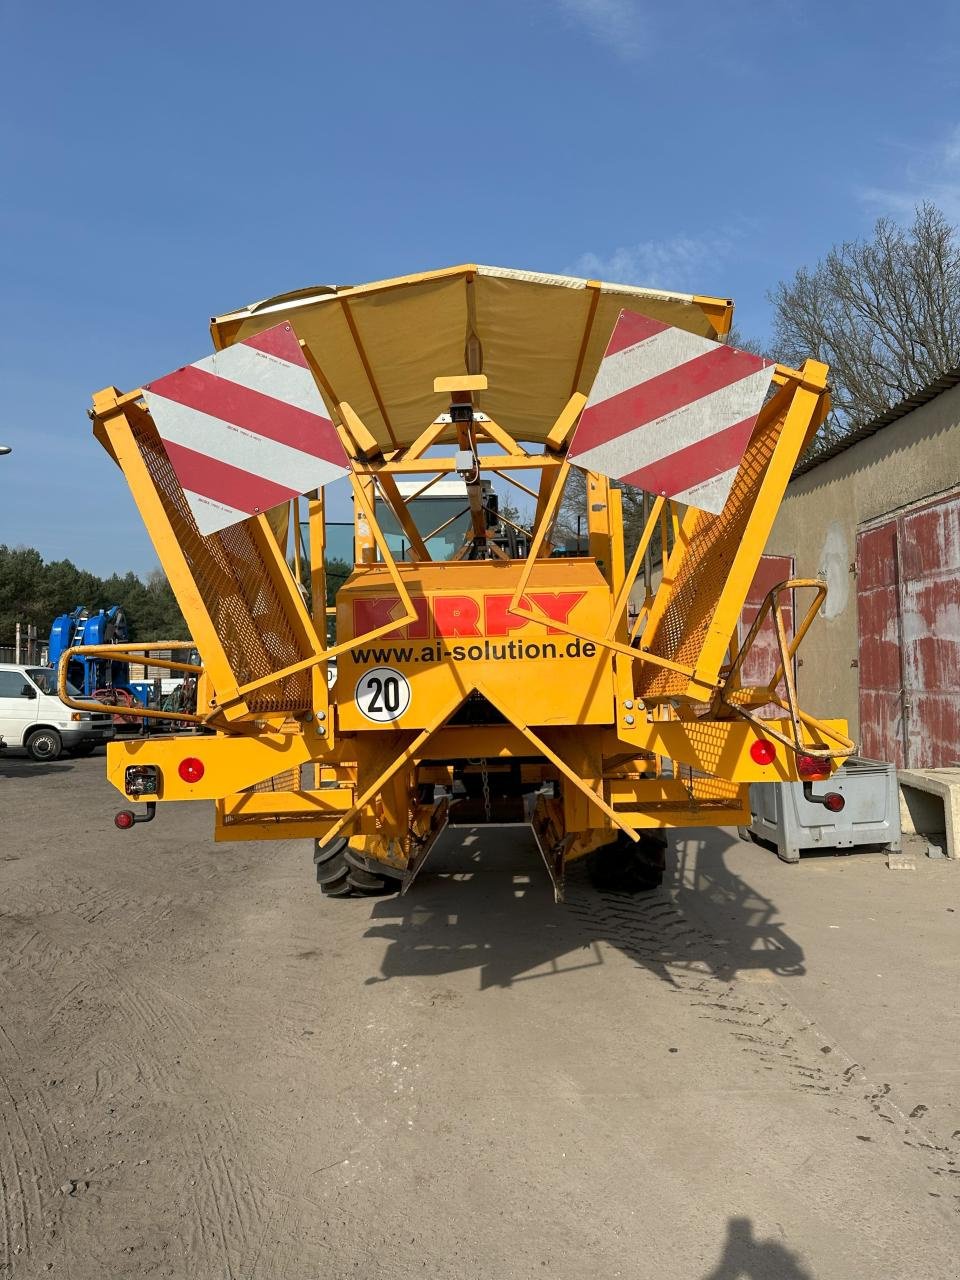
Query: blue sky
x,y
163,163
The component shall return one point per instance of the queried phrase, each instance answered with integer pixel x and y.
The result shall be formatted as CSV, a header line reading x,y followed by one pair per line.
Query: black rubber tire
x,y
343,873
628,867
44,745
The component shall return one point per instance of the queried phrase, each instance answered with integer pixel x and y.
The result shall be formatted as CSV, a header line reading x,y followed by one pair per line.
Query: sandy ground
x,y
208,1071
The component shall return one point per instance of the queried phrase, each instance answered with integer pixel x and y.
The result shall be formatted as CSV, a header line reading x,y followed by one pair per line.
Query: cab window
x,y
13,684
45,678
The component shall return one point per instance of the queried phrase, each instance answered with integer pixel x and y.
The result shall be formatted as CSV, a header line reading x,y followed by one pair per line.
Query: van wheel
x,y
44,744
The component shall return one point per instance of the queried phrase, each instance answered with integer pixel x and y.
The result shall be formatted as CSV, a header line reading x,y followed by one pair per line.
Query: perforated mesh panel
x,y
250,617
704,570
289,780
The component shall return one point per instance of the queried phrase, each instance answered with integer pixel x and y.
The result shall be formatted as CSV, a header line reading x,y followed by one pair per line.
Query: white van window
x,y
12,684
46,679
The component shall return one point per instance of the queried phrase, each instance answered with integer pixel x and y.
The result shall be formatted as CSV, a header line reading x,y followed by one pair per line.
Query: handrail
x,y
729,698
111,651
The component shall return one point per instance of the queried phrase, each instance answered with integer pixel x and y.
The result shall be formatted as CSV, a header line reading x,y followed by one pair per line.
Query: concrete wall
x,y
904,463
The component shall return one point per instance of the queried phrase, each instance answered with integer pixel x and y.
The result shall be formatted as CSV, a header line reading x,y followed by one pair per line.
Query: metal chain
x,y
485,781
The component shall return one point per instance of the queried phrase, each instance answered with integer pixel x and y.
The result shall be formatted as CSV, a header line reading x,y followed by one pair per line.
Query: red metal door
x,y
929,544
908,604
764,657
878,631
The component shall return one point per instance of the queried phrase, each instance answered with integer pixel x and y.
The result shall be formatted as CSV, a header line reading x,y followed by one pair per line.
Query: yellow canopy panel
x,y
537,338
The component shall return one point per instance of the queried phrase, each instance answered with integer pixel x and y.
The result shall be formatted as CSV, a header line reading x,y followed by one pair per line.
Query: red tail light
x,y
123,820
812,768
762,751
191,769
834,801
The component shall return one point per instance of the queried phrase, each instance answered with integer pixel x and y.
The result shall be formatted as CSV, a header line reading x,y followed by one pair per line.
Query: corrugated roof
x,y
920,397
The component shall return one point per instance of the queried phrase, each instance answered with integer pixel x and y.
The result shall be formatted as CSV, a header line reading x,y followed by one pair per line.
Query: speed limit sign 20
x,y
383,694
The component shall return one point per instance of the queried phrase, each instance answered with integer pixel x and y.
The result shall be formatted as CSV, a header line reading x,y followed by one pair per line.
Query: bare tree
x,y
883,313
571,519
572,516
744,343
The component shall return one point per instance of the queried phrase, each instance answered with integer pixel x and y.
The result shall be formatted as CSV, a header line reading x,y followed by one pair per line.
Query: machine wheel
x,y
343,873
626,867
44,744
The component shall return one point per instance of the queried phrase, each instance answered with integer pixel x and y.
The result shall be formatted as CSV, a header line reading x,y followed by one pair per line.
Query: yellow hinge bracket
x,y
461,382
364,442
570,414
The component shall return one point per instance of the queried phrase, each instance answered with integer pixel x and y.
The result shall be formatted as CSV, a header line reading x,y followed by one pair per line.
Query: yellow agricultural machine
x,y
599,700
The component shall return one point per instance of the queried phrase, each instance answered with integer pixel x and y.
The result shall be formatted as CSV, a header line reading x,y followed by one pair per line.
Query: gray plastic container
x,y
780,815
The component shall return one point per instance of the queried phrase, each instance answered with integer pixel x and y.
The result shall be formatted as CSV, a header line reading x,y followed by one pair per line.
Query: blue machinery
x,y
107,626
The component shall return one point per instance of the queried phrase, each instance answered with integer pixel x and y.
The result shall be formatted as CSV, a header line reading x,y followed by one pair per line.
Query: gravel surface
x,y
206,1070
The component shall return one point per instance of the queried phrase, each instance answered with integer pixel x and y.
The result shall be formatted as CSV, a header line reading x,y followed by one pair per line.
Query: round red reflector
x,y
811,767
123,820
190,769
834,801
762,751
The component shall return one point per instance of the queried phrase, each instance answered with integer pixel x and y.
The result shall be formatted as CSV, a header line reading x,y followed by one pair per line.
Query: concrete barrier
x,y
930,803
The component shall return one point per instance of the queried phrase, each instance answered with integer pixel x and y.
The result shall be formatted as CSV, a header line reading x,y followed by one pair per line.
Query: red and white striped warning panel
x,y
670,412
246,429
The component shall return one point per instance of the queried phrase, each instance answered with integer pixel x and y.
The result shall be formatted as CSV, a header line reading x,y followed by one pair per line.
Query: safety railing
x,y
744,701
112,652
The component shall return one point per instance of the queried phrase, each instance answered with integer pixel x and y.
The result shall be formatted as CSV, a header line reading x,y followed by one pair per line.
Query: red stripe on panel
x,y
652,399
279,341
698,462
224,483
631,327
254,411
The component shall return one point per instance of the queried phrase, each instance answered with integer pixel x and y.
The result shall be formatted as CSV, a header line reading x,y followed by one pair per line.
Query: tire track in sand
x,y
26,1166
769,1027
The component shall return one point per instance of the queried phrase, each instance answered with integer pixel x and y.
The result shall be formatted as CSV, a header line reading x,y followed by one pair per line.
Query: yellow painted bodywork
x,y
231,762
639,723
451,648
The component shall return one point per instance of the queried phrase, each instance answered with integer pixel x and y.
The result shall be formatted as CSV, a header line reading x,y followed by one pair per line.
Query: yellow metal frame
x,y
607,640
787,420
800,400
113,417
650,761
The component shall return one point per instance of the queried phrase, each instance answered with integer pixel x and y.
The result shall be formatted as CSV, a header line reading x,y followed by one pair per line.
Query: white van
x,y
33,717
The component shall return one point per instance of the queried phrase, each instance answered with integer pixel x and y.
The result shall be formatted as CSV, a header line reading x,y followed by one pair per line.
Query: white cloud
x,y
930,173
951,148
618,25
678,263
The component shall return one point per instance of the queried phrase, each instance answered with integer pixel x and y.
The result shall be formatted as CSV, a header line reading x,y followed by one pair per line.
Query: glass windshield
x,y
46,679
449,514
